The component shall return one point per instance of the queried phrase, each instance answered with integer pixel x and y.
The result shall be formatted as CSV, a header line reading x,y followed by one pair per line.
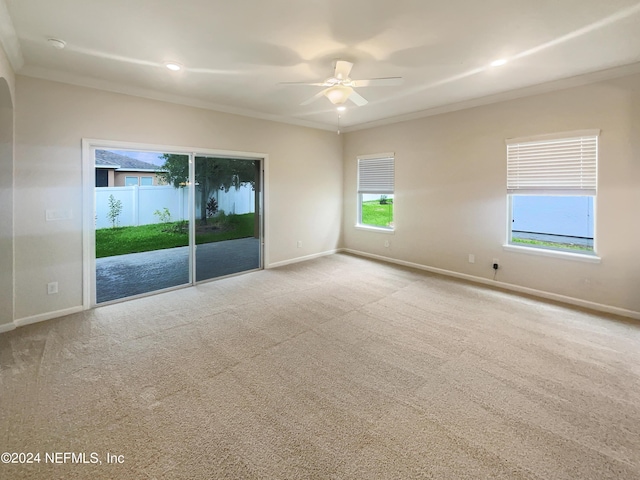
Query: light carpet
x,y
335,368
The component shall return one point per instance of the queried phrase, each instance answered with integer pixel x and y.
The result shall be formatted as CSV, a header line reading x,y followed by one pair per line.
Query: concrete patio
x,y
137,273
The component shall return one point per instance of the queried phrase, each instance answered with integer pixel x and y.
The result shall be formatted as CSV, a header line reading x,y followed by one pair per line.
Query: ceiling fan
x,y
340,87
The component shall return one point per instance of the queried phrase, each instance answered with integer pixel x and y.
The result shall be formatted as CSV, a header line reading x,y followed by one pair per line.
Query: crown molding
x,y
9,38
105,85
547,87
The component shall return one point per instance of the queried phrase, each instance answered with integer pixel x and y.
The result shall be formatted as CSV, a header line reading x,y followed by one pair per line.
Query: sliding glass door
x,y
141,223
227,222
164,220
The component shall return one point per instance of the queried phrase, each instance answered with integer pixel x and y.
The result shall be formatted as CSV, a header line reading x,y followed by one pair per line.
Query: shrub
x,y
115,209
180,227
163,215
212,207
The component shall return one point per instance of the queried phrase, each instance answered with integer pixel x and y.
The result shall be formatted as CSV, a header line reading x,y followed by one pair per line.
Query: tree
x,y
115,209
211,174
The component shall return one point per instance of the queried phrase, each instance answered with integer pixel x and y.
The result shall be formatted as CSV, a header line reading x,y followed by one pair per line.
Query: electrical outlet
x,y
472,258
386,243
299,243
52,287
495,260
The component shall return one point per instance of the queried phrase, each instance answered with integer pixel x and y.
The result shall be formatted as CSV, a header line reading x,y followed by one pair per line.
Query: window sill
x,y
580,257
375,229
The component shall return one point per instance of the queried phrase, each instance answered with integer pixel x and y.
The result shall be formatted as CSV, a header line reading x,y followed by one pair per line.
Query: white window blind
x,y
565,166
376,175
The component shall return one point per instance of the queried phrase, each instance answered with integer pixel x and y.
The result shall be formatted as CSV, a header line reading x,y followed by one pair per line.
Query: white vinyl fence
x,y
140,202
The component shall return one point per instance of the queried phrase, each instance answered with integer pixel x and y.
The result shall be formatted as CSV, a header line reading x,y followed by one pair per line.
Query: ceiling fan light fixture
x,y
341,108
338,94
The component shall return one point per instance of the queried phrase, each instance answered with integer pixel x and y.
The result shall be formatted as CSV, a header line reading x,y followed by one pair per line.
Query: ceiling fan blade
x,y
358,99
315,97
321,84
378,82
343,69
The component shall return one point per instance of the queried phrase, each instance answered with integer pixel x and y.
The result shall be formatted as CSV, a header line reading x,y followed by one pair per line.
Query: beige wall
x,y
304,188
450,185
6,71
6,189
450,191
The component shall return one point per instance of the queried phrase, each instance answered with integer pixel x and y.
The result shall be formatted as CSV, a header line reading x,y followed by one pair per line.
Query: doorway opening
x,y
165,219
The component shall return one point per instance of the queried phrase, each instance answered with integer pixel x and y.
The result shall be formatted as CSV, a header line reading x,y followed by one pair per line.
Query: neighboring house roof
x,y
107,159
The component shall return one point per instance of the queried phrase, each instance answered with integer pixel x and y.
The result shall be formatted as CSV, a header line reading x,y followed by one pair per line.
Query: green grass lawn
x,y
378,215
123,240
540,243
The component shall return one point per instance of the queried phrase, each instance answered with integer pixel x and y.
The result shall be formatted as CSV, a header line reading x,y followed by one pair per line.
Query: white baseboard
x,y
7,327
472,278
506,286
303,259
46,316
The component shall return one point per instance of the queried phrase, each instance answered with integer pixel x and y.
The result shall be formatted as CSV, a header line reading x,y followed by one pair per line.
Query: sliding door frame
x,y
90,145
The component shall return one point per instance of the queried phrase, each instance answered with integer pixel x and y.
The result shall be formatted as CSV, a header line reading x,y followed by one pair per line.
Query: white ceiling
x,y
235,53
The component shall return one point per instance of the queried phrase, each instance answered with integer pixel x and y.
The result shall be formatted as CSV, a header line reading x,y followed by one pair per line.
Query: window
x,y
375,191
102,177
130,181
147,181
551,186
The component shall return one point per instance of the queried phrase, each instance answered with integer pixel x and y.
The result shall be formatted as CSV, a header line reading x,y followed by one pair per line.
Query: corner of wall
x,y
7,327
7,168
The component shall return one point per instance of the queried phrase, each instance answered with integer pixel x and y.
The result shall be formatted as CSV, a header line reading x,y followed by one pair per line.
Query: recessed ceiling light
x,y
56,43
341,109
173,66
498,63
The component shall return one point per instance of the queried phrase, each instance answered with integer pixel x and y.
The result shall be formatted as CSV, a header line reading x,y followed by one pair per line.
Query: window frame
x,y
546,191
359,195
126,179
142,177
585,256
